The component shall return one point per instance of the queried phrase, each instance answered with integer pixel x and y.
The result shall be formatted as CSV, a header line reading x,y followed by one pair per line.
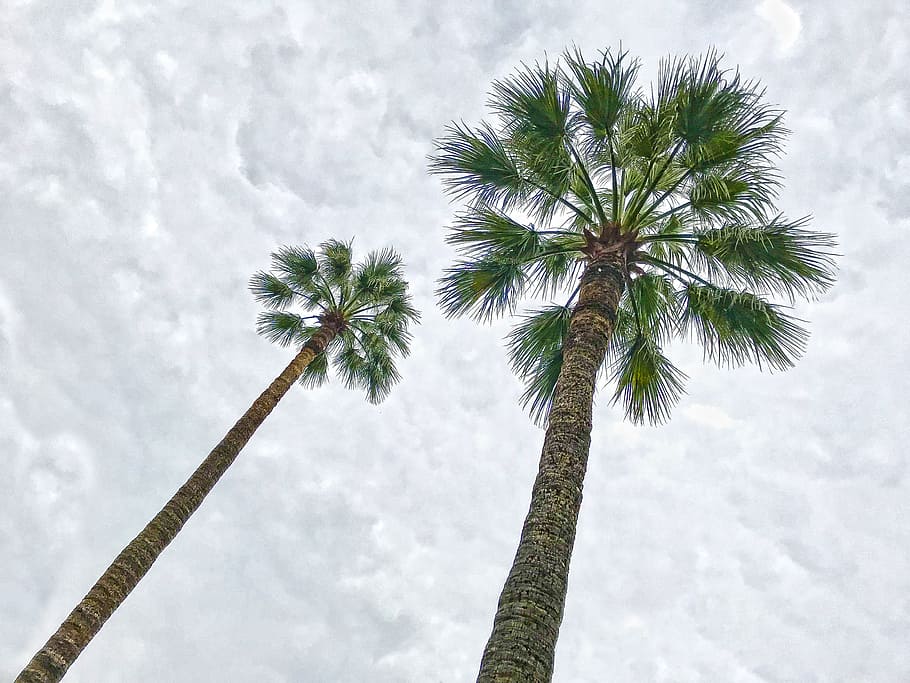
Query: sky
x,y
152,155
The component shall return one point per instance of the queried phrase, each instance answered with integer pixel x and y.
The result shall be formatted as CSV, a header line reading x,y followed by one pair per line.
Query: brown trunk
x,y
53,660
523,642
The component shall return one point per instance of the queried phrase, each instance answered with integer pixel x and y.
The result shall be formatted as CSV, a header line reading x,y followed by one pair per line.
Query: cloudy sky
x,y
151,157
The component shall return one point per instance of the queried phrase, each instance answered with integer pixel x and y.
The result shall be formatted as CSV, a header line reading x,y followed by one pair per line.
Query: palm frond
x,y
485,232
375,283
387,327
707,99
379,268
271,291
739,327
284,328
380,375
297,266
365,362
557,263
738,194
535,353
316,373
779,257
647,384
334,259
602,91
653,302
476,166
534,109
484,288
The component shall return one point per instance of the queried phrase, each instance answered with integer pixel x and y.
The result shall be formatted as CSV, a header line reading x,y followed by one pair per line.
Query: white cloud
x,y
783,20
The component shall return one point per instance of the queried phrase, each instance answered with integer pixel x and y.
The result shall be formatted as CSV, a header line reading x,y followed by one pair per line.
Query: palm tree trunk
x,y
58,654
523,642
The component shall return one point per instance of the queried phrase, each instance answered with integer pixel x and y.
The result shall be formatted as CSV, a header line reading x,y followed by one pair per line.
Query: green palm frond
x,y
647,384
539,332
654,307
366,362
485,232
297,266
484,288
779,257
271,291
739,327
602,92
476,166
389,327
535,353
316,373
556,264
380,375
334,259
534,108
284,328
737,194
706,99
647,136
378,278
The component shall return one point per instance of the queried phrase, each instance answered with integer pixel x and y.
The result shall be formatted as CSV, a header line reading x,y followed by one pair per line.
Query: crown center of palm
x,y
611,240
333,320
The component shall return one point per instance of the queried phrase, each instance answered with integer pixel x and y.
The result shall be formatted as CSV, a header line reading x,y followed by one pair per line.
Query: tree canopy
x,y
679,180
366,303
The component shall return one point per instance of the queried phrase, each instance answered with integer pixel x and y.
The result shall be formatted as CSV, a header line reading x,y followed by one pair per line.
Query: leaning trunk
x,y
523,642
53,660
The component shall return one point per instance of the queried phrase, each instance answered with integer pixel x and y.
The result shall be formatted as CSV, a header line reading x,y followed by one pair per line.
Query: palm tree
x,y
653,211
360,318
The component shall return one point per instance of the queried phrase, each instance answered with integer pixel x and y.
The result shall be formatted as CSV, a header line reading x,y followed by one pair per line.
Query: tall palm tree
x,y
359,316
654,212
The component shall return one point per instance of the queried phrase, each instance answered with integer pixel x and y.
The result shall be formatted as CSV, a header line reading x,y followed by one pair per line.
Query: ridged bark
x,y
523,642
52,661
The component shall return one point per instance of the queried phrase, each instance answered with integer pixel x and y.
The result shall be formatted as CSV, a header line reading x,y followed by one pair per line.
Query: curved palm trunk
x,y
523,642
115,584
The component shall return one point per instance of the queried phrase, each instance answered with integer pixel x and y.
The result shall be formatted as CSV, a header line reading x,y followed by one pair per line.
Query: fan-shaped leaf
x,y
270,291
779,257
739,327
647,383
284,328
484,288
316,373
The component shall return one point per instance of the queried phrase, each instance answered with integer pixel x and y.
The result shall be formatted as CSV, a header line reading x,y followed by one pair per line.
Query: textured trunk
x,y
53,660
523,642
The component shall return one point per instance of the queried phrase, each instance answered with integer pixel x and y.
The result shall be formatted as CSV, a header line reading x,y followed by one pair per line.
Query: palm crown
x,y
678,182
366,305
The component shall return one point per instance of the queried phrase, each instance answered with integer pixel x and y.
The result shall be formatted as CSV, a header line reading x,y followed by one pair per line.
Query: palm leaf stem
x,y
674,270
587,180
669,212
685,176
639,201
328,290
680,237
617,198
562,200
625,273
573,295
552,252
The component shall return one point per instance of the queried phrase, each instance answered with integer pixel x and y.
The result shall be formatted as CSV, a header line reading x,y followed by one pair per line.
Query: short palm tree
x,y
654,213
359,317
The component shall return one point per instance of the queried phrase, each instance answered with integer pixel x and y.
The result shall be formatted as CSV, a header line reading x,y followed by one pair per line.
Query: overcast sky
x,y
152,155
